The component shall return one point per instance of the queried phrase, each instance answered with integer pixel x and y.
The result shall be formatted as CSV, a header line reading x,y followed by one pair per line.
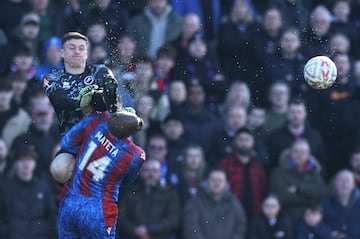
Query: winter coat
x,y
206,218
27,210
261,228
343,219
155,207
310,186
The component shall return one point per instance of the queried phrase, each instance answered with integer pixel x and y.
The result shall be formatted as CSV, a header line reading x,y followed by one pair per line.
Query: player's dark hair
x,y
73,35
356,150
143,60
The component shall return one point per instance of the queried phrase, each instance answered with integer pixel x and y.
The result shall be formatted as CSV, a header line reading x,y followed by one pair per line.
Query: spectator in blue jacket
x,y
312,225
342,207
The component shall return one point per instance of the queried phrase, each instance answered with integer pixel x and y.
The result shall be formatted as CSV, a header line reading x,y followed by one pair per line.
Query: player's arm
x,y
57,95
133,170
109,84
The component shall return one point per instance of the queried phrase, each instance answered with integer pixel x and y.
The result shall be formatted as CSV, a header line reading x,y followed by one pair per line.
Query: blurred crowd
x,y
238,145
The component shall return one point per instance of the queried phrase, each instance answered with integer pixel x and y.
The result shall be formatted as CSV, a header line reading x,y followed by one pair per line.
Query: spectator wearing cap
x,y
342,207
42,129
298,181
295,128
247,177
27,209
14,120
11,12
26,33
52,53
158,24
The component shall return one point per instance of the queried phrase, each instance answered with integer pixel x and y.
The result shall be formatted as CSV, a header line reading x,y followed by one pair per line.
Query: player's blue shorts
x,y
83,217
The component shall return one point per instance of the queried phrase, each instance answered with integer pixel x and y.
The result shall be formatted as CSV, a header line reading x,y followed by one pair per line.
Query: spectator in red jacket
x,y
247,177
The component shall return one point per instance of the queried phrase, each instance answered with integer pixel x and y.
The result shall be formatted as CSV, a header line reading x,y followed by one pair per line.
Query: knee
x,y
61,167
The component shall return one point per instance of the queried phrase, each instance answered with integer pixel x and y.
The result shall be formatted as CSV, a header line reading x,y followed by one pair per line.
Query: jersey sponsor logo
x,y
89,80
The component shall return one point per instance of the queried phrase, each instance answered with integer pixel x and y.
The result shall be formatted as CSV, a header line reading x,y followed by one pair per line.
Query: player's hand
x,y
110,92
85,96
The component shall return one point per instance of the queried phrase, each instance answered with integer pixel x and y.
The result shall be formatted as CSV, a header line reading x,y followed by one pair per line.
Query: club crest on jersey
x,y
89,80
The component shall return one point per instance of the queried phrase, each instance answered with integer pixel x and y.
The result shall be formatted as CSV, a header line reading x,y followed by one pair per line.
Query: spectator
x,y
279,96
339,44
209,13
333,115
355,165
173,130
256,120
53,60
113,14
42,129
295,13
97,33
247,178
270,224
14,119
123,59
150,210
19,85
189,173
238,94
342,207
26,206
157,25
11,13
200,65
177,96
205,213
27,34
341,18
295,128
47,12
312,225
316,39
234,39
200,126
4,160
144,107
190,26
264,42
297,181
234,118
164,67
69,18
23,61
287,63
157,149
99,54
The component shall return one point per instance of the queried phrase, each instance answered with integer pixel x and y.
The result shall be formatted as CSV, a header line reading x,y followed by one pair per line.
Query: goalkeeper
x,y
75,91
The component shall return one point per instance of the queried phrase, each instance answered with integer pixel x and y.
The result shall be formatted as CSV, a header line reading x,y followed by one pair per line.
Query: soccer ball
x,y
320,72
